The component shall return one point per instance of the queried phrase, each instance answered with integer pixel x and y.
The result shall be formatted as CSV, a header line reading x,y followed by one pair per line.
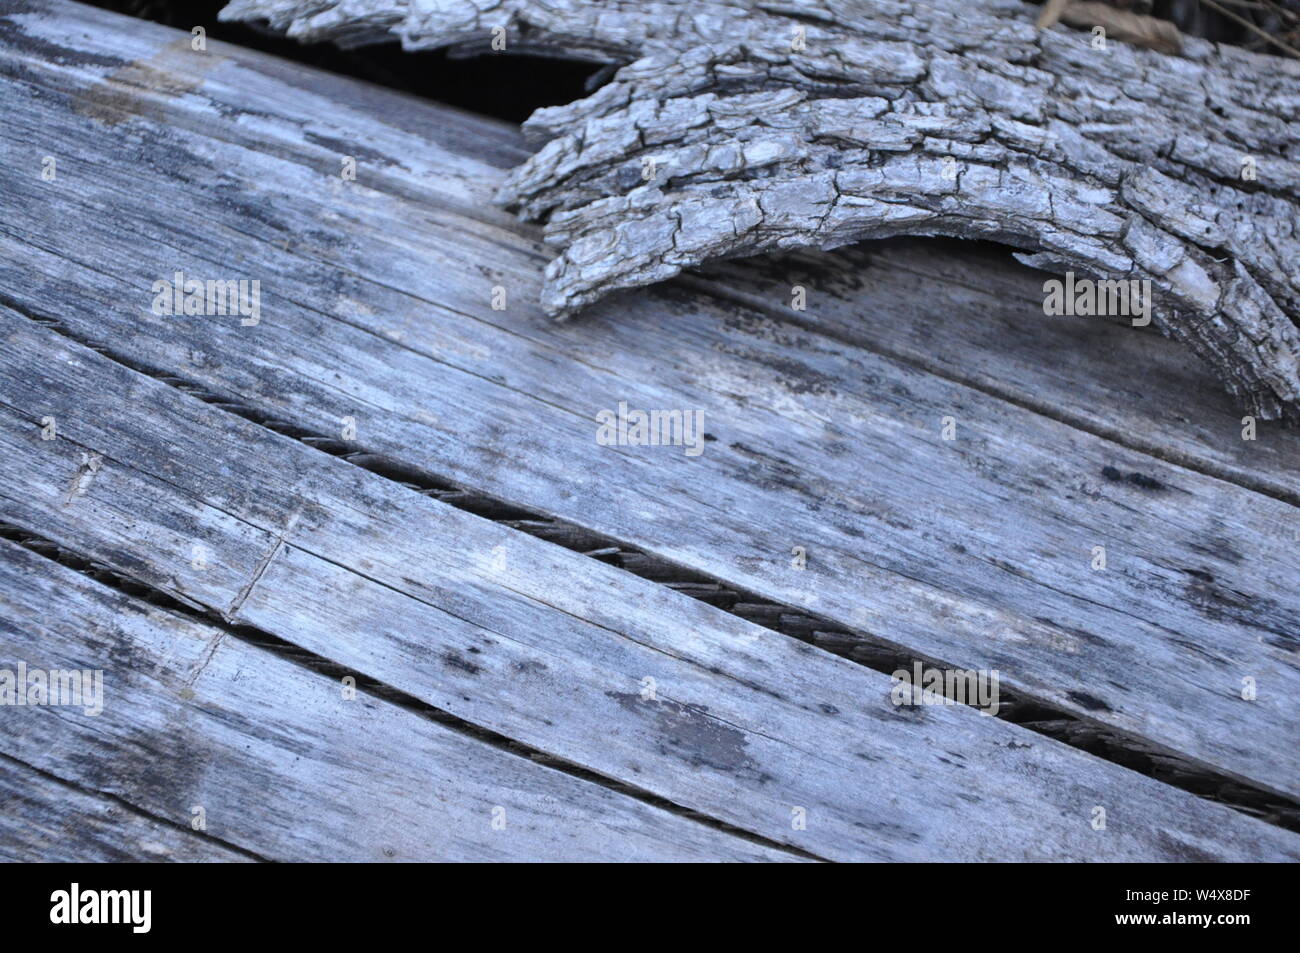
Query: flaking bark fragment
x,y
743,127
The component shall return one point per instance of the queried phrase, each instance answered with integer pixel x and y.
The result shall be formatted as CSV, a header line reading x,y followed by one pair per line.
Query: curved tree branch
x,y
735,128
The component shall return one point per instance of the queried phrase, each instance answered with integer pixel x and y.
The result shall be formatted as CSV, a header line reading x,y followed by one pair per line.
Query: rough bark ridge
x,y
735,127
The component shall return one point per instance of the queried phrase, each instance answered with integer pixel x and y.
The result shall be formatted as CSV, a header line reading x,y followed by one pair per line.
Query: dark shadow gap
x,y
1034,714
506,87
306,659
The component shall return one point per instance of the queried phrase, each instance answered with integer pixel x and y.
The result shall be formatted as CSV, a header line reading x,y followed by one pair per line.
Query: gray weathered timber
x,y
546,646
282,764
960,313
743,127
976,551
974,316
46,820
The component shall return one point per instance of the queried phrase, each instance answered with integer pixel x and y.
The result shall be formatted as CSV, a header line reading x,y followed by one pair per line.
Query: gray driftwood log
x,y
735,127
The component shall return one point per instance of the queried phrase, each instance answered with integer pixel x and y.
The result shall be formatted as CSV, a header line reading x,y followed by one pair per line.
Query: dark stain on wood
x,y
1137,479
689,733
1216,547
454,660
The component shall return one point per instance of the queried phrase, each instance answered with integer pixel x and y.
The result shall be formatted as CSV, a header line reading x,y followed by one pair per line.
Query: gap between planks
x,y
371,332
1039,715
209,429
47,797
226,627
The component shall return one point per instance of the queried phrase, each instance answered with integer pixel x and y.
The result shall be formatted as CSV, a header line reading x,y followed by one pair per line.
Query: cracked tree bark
x,y
736,127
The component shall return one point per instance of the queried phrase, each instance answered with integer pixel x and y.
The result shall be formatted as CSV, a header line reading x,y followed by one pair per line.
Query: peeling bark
x,y
736,128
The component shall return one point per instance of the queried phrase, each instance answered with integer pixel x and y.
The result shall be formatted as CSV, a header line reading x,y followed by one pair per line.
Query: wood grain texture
x,y
553,649
817,123
282,764
973,315
376,306
959,311
975,551
45,820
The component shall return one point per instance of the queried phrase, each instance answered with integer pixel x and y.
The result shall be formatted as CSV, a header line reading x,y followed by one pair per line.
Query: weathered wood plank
x,y
282,764
976,316
551,648
993,572
47,821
